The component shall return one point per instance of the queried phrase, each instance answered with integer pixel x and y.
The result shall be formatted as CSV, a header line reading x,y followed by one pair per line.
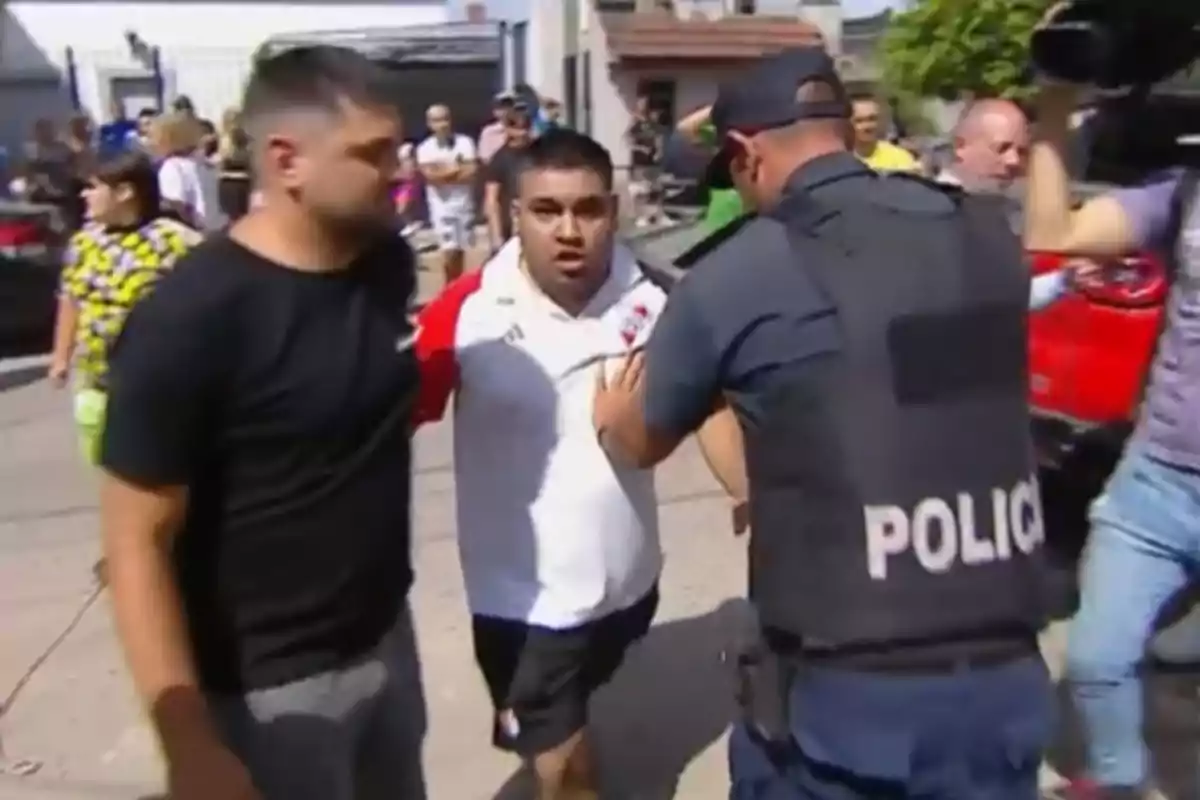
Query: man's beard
x,y
377,223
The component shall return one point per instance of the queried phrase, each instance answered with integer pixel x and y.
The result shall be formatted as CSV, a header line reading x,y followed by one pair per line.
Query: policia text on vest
x,y
942,534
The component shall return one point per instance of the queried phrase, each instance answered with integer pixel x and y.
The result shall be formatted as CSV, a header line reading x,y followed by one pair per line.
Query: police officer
x,y
869,331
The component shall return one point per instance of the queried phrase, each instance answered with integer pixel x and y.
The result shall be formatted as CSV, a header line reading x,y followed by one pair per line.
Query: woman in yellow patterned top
x,y
109,265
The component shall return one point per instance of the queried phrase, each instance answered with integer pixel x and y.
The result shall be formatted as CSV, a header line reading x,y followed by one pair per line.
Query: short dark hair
x,y
562,148
864,97
320,77
137,170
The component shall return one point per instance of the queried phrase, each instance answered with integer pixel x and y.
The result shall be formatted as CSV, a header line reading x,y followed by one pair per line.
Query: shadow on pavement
x,y
15,379
669,702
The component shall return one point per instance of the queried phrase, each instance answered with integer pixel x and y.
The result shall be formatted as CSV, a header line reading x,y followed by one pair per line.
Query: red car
x,y
1089,355
1090,352
30,247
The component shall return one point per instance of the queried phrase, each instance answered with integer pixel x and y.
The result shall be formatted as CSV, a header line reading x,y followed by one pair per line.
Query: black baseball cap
x,y
766,97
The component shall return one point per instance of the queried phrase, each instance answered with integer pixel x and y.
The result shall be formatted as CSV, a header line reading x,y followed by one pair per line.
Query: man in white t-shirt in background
x,y
189,181
447,161
559,545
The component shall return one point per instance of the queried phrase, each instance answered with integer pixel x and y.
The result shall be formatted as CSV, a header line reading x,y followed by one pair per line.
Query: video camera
x,y
1118,43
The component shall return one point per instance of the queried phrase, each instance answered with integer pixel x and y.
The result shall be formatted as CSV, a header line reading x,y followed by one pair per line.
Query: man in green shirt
x,y
724,205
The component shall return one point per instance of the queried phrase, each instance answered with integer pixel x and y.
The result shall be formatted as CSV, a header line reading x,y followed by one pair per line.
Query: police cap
x,y
768,96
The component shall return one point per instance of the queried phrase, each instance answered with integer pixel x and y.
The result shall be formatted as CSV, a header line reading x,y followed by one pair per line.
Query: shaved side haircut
x,y
317,79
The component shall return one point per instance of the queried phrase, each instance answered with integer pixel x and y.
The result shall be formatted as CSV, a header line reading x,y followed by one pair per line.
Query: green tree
x,y
946,48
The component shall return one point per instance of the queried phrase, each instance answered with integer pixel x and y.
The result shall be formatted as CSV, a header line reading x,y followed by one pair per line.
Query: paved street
x,y
68,706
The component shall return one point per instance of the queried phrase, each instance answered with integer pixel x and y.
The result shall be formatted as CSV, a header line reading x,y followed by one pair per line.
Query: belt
x,y
935,658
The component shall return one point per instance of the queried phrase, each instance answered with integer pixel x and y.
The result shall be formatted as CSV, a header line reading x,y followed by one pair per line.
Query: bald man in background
x,y
991,143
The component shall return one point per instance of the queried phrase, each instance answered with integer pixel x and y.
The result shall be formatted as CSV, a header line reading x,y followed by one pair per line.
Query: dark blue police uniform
x,y
911,664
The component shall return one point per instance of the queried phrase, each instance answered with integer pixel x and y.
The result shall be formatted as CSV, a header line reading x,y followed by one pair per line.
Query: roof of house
x,y
666,37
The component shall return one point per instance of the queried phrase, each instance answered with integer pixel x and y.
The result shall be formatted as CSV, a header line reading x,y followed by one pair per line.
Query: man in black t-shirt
x,y
501,172
255,504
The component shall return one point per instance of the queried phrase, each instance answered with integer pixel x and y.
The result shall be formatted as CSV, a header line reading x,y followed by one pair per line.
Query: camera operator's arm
x,y
690,127
1101,226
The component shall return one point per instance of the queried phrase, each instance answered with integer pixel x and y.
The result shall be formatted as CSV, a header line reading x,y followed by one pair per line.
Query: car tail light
x,y
23,239
1138,281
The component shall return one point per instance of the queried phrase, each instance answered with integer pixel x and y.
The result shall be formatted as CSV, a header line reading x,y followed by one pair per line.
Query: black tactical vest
x,y
894,495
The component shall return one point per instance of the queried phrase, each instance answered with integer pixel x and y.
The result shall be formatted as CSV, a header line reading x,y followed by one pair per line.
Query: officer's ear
x,y
741,142
743,150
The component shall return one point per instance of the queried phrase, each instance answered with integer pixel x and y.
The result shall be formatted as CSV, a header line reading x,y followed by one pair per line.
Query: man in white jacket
x,y
559,545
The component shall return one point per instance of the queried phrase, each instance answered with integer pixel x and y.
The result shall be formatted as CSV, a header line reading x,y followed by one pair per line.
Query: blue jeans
x,y
1143,548
969,735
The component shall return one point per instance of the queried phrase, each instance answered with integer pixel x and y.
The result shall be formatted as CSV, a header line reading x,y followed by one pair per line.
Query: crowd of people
x,y
988,146
201,167
849,350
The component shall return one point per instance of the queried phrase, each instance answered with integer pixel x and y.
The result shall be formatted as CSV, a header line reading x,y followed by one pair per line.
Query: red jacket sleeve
x,y
436,347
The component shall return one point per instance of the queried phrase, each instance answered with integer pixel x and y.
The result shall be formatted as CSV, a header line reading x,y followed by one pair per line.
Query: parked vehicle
x,y
30,246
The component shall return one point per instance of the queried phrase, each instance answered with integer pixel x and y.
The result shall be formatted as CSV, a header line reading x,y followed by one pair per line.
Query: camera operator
x,y
1145,526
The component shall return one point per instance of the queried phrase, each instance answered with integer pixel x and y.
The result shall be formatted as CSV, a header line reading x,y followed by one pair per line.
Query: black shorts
x,y
541,679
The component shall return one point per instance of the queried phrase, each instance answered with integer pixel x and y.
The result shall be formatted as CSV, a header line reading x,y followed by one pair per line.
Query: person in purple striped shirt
x,y
1145,526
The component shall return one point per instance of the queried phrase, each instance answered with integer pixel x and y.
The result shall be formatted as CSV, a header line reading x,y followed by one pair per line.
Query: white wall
x,y
205,46
713,9
780,8
611,96
547,44
828,20
54,26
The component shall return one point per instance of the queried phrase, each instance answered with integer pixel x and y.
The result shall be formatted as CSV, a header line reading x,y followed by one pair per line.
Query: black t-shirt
x,y
502,171
281,400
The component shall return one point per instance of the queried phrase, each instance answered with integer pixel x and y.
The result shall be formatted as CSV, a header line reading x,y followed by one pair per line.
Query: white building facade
x,y
56,55
573,54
